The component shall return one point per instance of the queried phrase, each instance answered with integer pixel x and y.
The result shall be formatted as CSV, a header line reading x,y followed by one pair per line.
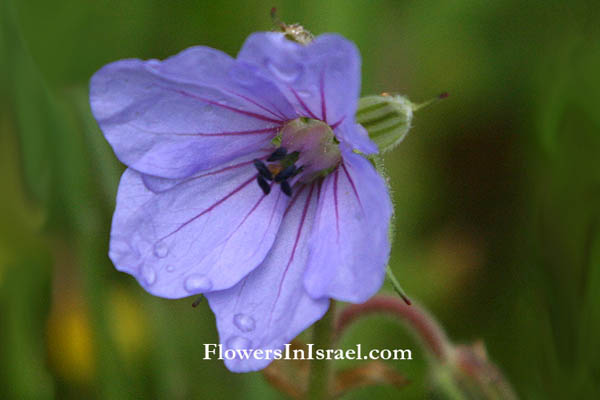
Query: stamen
x,y
288,172
263,170
275,168
264,185
278,154
286,188
297,171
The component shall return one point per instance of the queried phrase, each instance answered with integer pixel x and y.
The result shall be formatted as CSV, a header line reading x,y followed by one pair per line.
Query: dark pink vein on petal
x,y
319,190
268,225
212,207
219,171
336,124
239,294
225,106
322,91
278,115
252,211
293,253
262,197
274,209
296,195
232,133
234,166
302,103
353,187
247,216
335,203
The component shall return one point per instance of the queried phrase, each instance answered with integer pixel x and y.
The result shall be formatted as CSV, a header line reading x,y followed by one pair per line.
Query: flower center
x,y
307,150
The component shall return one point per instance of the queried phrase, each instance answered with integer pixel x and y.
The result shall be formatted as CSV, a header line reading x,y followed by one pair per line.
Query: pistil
x,y
308,149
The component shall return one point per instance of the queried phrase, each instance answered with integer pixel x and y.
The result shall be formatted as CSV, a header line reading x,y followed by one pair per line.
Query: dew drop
x,y
287,73
161,250
149,275
120,247
197,284
304,93
238,342
245,323
170,268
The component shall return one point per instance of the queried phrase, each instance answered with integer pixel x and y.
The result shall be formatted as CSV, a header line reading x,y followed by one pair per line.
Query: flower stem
x,y
320,370
422,324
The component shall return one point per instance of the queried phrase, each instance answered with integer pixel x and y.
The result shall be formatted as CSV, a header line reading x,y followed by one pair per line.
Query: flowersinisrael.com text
x,y
216,351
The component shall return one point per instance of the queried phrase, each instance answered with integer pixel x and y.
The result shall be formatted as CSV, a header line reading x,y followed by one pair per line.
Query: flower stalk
x,y
421,323
320,370
457,371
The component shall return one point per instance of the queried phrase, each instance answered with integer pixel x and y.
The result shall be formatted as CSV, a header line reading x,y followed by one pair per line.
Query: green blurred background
x,y
497,192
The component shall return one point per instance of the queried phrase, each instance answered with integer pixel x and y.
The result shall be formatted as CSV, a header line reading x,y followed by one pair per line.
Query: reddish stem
x,y
423,325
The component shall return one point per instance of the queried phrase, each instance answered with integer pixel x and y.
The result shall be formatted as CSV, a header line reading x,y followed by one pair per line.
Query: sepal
x,y
387,118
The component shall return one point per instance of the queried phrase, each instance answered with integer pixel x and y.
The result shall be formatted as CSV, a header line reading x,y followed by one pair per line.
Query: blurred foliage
x,y
497,192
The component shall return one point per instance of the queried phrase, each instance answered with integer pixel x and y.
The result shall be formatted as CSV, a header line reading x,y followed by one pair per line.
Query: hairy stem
x,y
422,324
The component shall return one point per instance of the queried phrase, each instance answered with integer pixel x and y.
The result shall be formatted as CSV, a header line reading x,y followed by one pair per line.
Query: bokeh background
x,y
497,192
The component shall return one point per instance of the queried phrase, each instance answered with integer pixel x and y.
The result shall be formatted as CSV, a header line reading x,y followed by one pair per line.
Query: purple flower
x,y
243,183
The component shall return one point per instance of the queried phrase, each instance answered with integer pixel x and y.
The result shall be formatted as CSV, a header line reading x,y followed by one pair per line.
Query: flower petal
x,y
321,79
269,307
354,134
203,233
241,79
349,245
188,113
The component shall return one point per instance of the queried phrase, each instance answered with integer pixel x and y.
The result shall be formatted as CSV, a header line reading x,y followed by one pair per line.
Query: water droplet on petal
x,y
197,283
238,342
161,250
287,73
304,93
122,250
245,323
149,275
170,268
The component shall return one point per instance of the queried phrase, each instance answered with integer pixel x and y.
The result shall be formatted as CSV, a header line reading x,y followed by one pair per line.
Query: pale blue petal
x,y
195,235
188,113
321,79
349,245
270,307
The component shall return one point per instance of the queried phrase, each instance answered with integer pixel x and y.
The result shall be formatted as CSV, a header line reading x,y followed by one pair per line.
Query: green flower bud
x,y
388,118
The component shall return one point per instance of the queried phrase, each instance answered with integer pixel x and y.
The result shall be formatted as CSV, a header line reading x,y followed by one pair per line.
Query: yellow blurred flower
x,y
70,341
127,324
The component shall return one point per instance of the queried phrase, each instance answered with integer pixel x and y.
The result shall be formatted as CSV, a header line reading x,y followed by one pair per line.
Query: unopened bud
x,y
388,117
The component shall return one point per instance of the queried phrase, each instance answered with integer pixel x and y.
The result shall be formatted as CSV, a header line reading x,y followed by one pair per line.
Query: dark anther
x,y
263,170
286,188
264,185
286,173
278,154
297,171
